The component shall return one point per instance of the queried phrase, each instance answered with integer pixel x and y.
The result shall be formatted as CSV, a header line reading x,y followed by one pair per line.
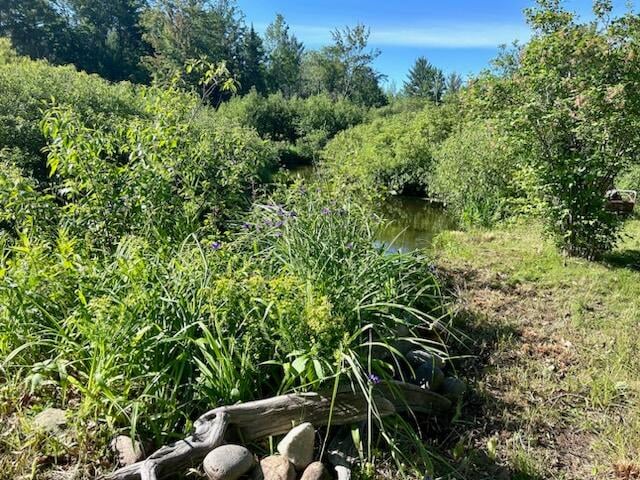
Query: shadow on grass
x,y
465,442
629,259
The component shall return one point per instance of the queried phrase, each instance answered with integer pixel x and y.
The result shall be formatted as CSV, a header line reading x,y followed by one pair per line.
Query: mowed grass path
x,y
554,356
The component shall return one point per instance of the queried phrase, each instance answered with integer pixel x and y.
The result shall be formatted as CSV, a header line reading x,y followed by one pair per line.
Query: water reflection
x,y
413,221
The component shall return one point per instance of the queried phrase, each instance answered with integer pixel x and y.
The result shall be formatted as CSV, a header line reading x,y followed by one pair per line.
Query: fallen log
x,y
276,416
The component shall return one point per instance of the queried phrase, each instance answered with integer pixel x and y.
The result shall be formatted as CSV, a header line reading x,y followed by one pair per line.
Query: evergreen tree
x,y
425,80
109,38
252,74
99,36
284,58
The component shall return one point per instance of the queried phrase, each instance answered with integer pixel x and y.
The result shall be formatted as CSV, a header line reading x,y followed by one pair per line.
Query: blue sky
x,y
455,35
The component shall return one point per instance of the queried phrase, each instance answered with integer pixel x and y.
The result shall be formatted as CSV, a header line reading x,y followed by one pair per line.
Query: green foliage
x,y
98,36
23,205
425,81
629,179
301,126
29,87
160,176
393,153
252,69
148,338
284,58
578,114
480,176
344,68
182,30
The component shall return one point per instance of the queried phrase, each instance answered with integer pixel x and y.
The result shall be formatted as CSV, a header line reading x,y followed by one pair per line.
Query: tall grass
x,y
147,339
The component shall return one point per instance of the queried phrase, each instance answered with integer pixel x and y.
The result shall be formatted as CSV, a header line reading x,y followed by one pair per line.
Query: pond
x,y
413,221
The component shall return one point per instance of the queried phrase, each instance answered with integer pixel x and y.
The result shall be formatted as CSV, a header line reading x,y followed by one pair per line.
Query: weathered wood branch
x,y
276,416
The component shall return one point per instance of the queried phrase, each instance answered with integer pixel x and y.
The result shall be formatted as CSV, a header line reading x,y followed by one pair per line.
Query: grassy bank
x,y
555,362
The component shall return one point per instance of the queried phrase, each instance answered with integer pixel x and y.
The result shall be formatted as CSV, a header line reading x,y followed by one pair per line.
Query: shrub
x,y
392,153
577,113
27,88
160,175
320,118
273,116
24,207
480,175
300,126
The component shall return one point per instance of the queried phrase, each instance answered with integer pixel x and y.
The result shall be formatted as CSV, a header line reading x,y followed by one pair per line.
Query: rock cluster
x,y
294,460
428,372
296,450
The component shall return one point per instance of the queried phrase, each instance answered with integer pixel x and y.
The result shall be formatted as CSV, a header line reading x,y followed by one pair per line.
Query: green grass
x,y
558,377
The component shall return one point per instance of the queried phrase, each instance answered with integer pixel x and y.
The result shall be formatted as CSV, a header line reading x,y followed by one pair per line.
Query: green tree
x,y
108,38
344,68
453,83
425,80
284,58
183,30
252,68
98,36
577,115
36,29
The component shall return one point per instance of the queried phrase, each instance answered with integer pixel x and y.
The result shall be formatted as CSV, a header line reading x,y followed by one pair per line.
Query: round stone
x,y
297,445
453,388
429,376
228,462
277,467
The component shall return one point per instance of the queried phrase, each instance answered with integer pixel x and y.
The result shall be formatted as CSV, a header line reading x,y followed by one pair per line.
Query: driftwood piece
x,y
276,416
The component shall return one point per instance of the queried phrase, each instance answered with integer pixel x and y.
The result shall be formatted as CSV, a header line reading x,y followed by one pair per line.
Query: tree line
x,y
144,40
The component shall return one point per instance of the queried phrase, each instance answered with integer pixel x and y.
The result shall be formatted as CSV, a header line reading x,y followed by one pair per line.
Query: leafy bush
x,y
159,176
390,153
301,126
273,116
480,175
320,118
577,113
27,88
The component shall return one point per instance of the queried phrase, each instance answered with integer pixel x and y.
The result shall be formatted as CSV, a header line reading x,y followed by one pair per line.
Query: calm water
x,y
414,222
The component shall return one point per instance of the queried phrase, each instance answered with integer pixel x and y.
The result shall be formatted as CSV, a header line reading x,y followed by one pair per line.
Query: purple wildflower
x,y
293,214
278,234
216,246
349,246
246,226
374,379
279,224
326,211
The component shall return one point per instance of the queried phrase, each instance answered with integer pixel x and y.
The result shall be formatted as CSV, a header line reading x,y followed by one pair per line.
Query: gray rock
x,y
50,420
429,376
276,467
128,451
417,357
297,445
316,471
453,388
403,346
228,462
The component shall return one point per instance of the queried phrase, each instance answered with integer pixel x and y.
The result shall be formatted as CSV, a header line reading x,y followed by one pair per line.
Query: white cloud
x,y
453,35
